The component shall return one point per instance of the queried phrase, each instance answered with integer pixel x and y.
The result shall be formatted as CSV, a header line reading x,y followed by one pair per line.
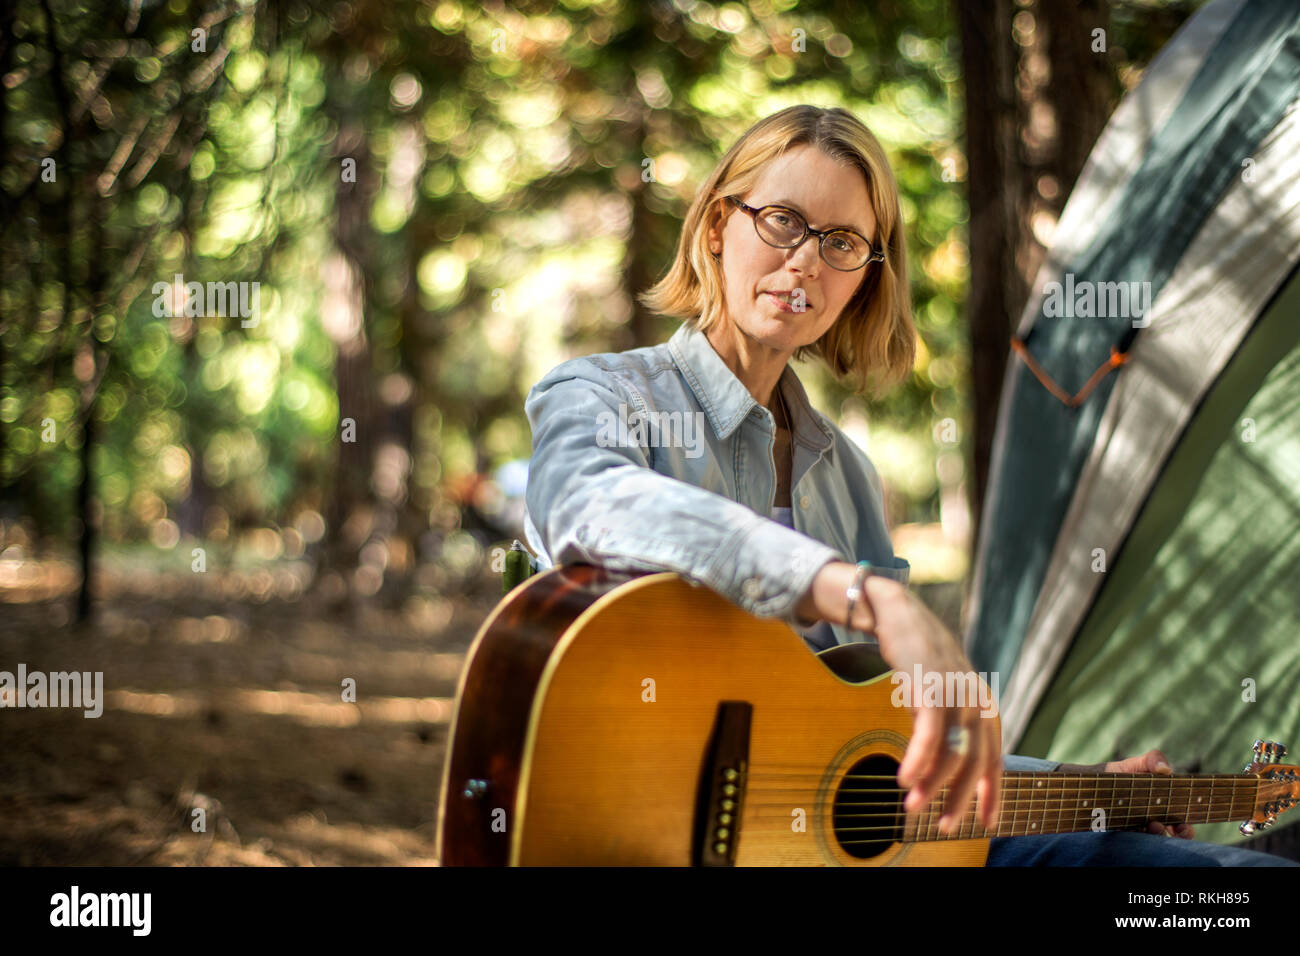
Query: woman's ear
x,y
715,234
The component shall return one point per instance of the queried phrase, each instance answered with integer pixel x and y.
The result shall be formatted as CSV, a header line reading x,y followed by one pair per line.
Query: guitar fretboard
x,y
1058,802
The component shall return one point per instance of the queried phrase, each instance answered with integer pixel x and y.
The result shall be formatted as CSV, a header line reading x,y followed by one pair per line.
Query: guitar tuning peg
x,y
1262,750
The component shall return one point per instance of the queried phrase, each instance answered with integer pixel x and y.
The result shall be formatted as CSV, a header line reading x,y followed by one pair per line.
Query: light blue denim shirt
x,y
659,459
694,493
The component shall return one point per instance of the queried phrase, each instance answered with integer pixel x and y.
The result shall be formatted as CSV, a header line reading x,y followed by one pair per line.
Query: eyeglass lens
x,y
784,227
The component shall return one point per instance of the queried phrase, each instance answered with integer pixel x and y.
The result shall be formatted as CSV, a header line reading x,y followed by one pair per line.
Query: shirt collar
x,y
725,399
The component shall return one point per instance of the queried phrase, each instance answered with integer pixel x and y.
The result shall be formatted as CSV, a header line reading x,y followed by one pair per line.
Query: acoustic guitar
x,y
616,719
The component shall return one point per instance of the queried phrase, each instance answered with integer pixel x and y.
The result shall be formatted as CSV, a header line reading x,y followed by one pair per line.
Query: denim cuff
x,y
770,568
1015,762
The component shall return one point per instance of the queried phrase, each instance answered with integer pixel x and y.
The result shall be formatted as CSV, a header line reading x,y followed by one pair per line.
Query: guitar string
x,y
1042,802
1152,791
1053,793
1054,778
1159,813
1052,806
1177,787
1175,790
1053,775
1130,813
901,834
967,823
1039,798
892,834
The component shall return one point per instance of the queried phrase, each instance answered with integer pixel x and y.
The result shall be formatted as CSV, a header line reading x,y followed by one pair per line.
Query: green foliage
x,y
498,225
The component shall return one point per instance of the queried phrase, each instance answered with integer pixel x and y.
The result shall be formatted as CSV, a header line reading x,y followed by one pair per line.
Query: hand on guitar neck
x,y
911,635
1153,761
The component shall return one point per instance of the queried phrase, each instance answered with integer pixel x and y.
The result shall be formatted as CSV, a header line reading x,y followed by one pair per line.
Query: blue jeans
x,y
1121,848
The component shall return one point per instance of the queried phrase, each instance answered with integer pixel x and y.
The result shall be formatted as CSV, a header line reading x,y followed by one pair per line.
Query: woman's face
x,y
827,195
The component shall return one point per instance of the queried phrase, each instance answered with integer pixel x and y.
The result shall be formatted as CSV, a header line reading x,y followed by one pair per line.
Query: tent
x,y
1137,576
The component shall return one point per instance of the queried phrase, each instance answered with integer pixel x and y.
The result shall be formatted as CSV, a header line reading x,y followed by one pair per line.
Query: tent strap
x,y
1117,358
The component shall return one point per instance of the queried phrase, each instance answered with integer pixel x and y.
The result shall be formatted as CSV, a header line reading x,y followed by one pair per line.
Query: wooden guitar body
x,y
586,716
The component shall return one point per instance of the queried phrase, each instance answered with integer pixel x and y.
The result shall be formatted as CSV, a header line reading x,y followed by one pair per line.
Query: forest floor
x,y
233,707
227,699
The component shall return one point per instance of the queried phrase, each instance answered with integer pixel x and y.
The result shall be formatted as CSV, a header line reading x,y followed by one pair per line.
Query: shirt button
x,y
805,501
751,587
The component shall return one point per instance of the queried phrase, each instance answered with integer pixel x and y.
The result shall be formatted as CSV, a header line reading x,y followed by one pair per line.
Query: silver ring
x,y
958,740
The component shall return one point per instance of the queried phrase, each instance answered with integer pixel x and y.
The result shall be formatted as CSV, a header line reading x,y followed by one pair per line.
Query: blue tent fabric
x,y
1246,83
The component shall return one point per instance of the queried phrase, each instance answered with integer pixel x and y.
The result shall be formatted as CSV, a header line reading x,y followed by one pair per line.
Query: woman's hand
x,y
910,634
1153,761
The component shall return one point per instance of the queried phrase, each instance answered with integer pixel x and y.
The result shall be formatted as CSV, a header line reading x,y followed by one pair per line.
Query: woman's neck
x,y
757,366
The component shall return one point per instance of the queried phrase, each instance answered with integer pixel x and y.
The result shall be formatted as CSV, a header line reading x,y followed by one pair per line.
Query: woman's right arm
x,y
910,634
595,501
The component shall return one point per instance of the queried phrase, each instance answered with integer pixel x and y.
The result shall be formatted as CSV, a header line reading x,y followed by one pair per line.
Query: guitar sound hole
x,y
867,815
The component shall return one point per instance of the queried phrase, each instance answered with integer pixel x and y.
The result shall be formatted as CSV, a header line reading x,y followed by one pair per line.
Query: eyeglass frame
x,y
876,255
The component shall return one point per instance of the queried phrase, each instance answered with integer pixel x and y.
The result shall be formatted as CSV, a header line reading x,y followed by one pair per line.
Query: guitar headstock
x,y
1279,785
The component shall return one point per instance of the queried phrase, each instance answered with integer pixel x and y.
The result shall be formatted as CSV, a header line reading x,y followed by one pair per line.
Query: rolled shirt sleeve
x,y
1015,762
602,503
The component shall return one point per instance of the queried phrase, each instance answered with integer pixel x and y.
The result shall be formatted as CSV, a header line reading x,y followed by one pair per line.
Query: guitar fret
x,y
1110,802
1115,802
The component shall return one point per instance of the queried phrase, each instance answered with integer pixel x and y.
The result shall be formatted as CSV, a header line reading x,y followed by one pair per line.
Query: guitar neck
x,y
1055,802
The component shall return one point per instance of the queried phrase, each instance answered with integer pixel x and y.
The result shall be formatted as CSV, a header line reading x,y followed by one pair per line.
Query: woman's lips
x,y
783,305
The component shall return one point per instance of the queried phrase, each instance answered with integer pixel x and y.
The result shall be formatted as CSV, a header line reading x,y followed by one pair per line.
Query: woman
x,y
703,455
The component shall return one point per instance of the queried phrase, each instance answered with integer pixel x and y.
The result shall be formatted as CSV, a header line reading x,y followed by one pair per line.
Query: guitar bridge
x,y
722,786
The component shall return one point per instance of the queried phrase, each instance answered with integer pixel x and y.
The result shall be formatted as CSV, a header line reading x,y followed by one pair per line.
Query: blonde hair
x,y
874,337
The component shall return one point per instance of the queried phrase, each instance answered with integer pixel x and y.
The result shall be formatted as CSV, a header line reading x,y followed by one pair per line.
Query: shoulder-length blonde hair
x,y
873,340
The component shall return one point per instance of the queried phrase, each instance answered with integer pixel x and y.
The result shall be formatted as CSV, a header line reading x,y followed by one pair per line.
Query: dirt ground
x,y
229,701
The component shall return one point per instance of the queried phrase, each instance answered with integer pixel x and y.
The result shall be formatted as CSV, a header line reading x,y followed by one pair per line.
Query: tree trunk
x,y
351,514
1032,112
994,181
